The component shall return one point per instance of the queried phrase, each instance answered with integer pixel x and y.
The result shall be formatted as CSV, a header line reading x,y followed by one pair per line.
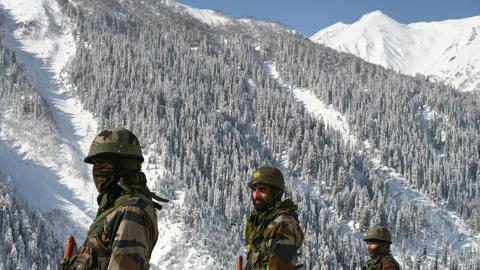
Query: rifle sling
x,y
119,202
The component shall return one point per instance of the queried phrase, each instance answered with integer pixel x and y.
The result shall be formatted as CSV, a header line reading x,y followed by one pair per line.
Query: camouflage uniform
x,y
273,236
384,260
124,231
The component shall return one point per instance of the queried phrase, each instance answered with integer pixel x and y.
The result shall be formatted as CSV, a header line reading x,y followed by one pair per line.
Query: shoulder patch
x,y
387,266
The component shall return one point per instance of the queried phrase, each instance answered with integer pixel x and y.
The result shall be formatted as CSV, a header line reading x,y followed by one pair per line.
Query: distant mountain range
x,y
447,50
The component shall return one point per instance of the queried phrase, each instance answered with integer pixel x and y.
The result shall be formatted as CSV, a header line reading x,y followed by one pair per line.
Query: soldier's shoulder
x,y
284,224
135,206
389,262
138,201
287,217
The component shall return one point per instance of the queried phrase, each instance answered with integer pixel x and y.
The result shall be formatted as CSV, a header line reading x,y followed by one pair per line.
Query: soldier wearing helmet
x,y
273,234
125,230
378,241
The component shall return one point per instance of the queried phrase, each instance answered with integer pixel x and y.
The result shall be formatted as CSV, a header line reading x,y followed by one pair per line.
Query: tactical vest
x,y
258,248
387,261
96,251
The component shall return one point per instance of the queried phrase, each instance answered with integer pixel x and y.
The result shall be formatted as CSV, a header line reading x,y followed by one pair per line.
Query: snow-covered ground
x,y
448,50
173,239
439,221
59,179
207,16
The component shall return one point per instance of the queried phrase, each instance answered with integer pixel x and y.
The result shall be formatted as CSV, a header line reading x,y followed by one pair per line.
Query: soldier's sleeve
x,y
135,238
285,239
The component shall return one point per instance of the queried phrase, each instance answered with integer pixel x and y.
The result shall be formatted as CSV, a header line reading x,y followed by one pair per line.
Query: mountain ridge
x,y
443,49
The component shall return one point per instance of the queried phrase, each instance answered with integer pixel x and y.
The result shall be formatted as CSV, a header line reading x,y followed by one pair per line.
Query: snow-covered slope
x,y
439,223
52,166
449,50
207,16
47,168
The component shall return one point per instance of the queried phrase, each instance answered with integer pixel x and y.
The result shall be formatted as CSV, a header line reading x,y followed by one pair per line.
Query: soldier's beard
x,y
260,205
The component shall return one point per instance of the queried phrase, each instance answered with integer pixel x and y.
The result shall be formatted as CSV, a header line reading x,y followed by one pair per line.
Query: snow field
x,y
447,50
43,42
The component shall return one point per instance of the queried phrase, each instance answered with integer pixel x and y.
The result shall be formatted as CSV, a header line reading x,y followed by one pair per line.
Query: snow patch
x,y
43,42
207,16
316,107
444,222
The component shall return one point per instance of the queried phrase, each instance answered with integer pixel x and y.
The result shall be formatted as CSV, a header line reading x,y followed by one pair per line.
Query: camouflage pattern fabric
x,y
273,238
121,237
119,142
384,262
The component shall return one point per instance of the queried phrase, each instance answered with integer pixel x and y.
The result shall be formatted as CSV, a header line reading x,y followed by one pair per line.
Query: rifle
x,y
239,263
70,249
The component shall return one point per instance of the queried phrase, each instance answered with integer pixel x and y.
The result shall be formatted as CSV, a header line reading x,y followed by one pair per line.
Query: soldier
x,y
124,231
378,241
273,234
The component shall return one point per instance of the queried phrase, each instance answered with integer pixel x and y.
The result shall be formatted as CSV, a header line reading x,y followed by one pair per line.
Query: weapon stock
x,y
239,264
70,249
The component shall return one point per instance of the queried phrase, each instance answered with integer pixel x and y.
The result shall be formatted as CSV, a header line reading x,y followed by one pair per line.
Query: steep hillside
x,y
212,97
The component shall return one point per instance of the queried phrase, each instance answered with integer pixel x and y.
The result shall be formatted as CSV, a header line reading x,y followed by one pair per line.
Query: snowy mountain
x,y
211,97
448,50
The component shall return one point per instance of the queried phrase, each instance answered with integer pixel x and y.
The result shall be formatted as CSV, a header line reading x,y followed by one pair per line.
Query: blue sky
x,y
309,16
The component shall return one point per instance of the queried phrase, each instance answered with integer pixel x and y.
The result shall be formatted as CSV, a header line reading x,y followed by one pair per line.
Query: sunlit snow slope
x,y
47,167
437,218
449,50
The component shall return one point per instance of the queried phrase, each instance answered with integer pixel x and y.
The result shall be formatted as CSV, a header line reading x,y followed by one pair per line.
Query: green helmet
x,y
378,233
118,142
268,175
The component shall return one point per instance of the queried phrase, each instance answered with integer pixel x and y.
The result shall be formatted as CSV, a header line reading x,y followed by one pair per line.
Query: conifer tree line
x,y
440,158
202,100
27,241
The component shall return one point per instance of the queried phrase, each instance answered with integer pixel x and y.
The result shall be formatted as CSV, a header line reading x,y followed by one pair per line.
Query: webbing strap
x,y
120,201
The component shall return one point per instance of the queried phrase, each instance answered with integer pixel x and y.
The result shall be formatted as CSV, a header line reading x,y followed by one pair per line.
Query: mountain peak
x,y
376,16
375,13
442,49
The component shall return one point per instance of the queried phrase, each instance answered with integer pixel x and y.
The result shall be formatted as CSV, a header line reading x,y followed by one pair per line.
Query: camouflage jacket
x,y
384,262
121,237
273,238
